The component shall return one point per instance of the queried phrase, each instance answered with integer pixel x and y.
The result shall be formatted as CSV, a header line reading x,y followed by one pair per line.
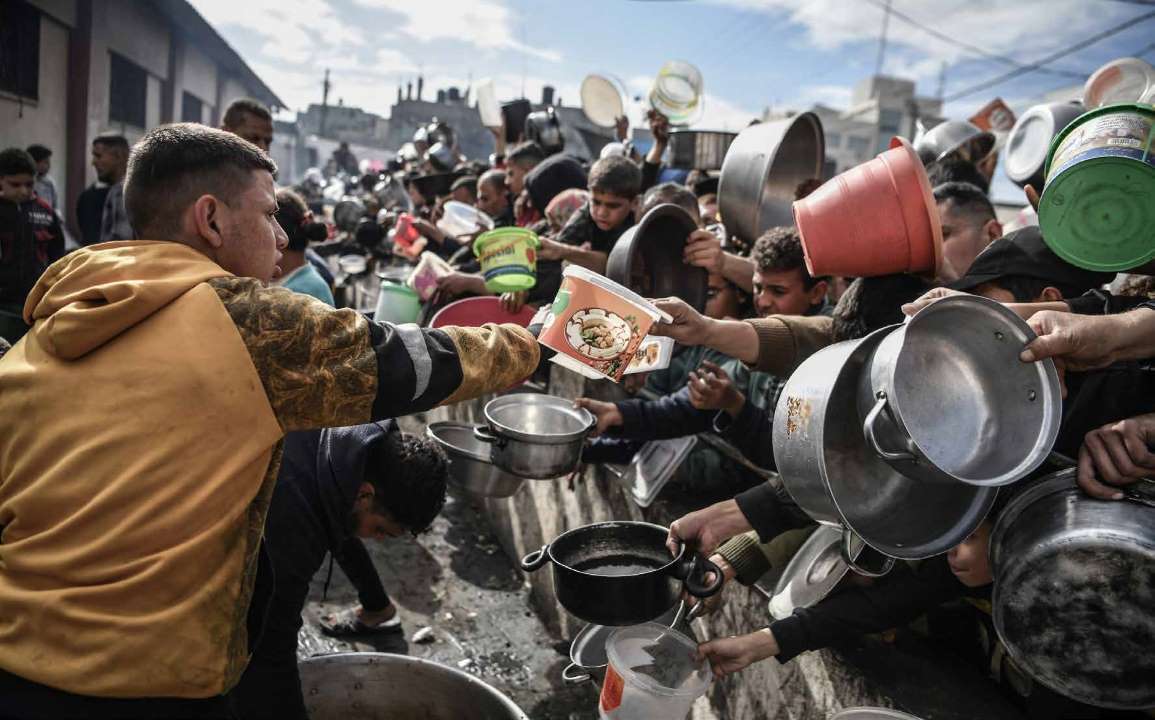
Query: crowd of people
x,y
156,563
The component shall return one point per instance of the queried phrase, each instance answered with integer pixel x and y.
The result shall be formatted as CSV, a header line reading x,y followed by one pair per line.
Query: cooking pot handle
x,y
698,588
871,438
486,435
569,674
847,535
535,559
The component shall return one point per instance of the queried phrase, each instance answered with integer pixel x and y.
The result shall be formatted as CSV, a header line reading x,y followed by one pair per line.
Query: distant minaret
x,y
325,87
420,85
399,96
409,90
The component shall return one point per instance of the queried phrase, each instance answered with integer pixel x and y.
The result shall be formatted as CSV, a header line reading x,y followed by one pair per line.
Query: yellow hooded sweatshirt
x,y
140,428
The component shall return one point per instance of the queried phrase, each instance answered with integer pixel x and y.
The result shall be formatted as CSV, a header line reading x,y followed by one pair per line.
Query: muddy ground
x,y
456,579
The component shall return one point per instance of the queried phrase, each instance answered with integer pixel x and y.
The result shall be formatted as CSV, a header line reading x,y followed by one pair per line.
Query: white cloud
x,y
483,23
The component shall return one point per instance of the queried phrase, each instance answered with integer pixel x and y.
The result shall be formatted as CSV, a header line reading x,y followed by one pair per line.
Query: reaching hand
x,y
1032,196
513,302
688,326
1117,454
708,528
712,389
607,414
459,283
551,249
659,127
712,603
622,128
429,230
704,249
929,297
729,655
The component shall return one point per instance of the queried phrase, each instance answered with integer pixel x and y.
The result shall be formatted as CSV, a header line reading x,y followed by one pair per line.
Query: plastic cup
x,y
508,258
677,92
652,673
459,219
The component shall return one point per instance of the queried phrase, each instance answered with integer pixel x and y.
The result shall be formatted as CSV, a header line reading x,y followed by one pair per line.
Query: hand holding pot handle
x,y
535,559
695,582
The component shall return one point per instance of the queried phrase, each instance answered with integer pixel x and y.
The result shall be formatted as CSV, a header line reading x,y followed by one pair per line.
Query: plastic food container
x,y
653,354
1126,80
397,304
425,276
677,92
461,219
597,322
508,258
1096,211
652,673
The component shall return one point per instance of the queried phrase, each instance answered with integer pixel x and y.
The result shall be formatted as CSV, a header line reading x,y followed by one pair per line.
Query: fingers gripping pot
x,y
621,573
535,436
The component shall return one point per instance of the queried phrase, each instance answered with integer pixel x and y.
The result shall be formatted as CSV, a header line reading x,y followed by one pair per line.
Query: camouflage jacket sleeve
x,y
323,367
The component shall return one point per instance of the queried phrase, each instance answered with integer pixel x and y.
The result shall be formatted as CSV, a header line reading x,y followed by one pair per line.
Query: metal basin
x,y
762,171
647,258
470,467
699,149
535,436
946,398
830,472
1074,587
382,686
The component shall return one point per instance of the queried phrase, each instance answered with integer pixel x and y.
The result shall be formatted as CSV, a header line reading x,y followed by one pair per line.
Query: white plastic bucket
x,y
461,219
397,304
652,673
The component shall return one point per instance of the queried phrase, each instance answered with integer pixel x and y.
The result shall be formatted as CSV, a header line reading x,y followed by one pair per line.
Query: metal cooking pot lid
x,y
812,573
459,437
872,713
1028,144
601,100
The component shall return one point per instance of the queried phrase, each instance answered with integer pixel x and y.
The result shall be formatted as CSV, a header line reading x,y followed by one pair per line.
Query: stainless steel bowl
x,y
762,171
383,686
470,467
954,136
535,436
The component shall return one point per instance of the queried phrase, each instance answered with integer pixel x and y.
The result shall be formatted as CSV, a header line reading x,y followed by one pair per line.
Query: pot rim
x,y
663,570
538,438
1056,482
432,431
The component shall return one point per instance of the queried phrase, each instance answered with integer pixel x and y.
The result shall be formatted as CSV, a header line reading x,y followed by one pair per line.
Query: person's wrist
x,y
730,517
710,329
724,565
767,644
735,401
1134,340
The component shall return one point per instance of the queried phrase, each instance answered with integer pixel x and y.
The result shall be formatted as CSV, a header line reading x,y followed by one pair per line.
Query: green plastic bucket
x,y
1098,205
508,258
397,304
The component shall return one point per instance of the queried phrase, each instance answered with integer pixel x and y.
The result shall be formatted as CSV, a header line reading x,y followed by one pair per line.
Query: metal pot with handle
x,y
535,436
830,472
621,573
699,149
1074,588
946,399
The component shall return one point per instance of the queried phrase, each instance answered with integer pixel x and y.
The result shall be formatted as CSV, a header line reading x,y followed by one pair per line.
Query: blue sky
x,y
753,54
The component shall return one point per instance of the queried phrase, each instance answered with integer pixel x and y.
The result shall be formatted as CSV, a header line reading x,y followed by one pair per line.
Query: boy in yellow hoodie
x,y
141,421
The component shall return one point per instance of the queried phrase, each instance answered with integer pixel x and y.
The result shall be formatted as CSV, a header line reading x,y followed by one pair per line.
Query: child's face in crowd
x,y
491,199
16,188
515,177
784,292
369,522
721,298
609,210
969,561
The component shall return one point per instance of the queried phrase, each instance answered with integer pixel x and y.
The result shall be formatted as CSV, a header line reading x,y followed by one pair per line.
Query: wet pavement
x,y
456,580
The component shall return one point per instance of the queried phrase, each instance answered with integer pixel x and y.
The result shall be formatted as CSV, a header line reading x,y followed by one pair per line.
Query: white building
x,y
83,67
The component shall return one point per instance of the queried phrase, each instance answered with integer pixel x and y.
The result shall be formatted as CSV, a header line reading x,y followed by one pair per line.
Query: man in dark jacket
x,y
30,238
365,481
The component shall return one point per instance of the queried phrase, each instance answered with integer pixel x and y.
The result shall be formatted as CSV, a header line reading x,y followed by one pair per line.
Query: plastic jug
x,y
652,673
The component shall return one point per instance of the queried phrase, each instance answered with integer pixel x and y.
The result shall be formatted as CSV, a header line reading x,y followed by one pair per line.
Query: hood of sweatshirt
x,y
88,297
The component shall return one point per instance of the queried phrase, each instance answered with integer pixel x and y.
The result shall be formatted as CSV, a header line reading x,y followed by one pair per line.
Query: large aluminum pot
x,y
699,149
535,436
946,398
470,467
762,171
1074,591
621,572
830,472
383,686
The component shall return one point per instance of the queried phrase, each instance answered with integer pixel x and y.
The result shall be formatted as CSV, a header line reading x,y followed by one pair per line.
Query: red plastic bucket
x,y
877,218
476,311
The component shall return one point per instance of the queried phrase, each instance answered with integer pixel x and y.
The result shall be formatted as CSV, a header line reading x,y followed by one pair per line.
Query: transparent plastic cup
x,y
652,673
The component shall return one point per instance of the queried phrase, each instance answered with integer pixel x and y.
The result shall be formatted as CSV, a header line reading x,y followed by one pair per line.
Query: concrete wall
x,y
907,674
45,120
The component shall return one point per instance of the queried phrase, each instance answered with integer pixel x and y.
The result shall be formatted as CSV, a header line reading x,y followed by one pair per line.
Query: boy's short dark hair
x,y
669,192
235,114
955,169
16,161
780,249
469,182
112,140
1027,289
616,175
39,153
526,155
874,302
409,475
291,211
966,198
496,178
173,165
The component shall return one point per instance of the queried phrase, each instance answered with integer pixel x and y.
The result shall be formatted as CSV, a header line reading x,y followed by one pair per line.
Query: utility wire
x,y
1037,65
967,46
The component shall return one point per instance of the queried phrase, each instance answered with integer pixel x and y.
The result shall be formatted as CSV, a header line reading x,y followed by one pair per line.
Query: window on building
x,y
191,108
888,126
127,92
833,140
19,49
857,144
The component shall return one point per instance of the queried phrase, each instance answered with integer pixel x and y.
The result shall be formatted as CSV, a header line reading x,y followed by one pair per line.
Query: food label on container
x,y
1124,133
612,690
596,327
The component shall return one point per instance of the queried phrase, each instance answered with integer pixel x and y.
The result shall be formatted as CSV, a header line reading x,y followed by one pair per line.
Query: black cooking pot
x,y
647,258
620,573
